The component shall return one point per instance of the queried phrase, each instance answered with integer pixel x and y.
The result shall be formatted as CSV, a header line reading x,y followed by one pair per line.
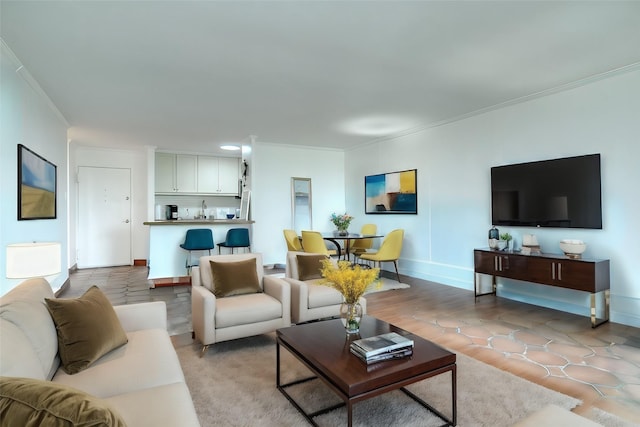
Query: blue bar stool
x,y
236,238
197,239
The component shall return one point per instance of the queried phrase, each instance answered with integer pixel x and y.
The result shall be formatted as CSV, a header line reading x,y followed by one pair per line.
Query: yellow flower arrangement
x,y
351,281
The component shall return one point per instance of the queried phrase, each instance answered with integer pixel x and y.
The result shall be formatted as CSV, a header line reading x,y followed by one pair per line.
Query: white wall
x,y
134,159
272,169
454,161
28,117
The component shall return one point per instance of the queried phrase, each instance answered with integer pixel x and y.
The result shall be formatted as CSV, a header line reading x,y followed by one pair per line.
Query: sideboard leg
x,y
478,291
606,294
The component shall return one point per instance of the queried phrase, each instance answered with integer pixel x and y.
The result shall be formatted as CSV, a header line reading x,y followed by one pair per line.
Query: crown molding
x,y
21,71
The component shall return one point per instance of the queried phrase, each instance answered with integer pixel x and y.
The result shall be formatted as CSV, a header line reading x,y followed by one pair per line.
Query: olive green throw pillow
x,y
309,266
235,278
87,328
27,402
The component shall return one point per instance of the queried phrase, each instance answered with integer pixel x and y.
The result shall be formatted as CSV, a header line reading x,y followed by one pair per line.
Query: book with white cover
x,y
391,355
381,344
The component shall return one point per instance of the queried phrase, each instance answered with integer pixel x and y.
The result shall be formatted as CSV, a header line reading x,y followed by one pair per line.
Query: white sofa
x,y
217,319
142,380
310,300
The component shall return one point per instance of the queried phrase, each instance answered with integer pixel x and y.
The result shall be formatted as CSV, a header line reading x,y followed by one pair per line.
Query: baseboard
x,y
139,262
172,281
64,287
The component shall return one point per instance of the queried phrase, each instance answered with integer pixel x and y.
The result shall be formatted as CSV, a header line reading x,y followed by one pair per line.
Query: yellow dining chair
x,y
313,242
293,241
389,250
360,246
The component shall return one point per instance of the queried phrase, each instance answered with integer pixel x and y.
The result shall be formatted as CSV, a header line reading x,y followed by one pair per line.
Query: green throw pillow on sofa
x,y
310,266
28,402
235,278
87,328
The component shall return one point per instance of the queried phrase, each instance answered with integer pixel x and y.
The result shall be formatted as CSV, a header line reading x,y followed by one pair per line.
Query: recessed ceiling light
x,y
230,147
377,125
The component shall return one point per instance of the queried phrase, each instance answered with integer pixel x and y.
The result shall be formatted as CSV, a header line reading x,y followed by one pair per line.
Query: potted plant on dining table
x,y
342,223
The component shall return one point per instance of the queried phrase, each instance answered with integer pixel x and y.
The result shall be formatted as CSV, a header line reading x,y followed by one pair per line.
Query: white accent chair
x,y
310,300
221,319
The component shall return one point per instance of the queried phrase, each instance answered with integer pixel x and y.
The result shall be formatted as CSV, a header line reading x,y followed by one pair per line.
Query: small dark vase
x,y
494,233
494,236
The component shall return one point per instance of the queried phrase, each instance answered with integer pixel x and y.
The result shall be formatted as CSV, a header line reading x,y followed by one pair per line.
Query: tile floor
x,y
558,350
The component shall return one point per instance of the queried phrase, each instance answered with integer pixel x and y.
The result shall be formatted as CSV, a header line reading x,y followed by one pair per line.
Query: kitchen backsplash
x,y
190,207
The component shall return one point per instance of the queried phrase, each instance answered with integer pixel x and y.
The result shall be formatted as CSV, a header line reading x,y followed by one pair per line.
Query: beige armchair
x,y
232,298
310,300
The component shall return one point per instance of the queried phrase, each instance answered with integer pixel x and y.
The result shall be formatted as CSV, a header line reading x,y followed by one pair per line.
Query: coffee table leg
x,y
277,364
449,422
454,395
349,413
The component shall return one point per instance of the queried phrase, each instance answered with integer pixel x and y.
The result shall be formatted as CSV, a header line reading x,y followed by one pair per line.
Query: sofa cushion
x,y
31,403
148,360
235,278
246,309
322,296
291,268
310,266
28,342
553,415
169,405
87,329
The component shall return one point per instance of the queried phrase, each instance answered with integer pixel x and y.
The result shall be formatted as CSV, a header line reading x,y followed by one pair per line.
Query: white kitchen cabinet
x,y
190,174
176,173
218,175
165,173
186,173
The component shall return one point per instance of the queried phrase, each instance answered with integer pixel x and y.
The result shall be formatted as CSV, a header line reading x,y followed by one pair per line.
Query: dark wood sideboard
x,y
548,269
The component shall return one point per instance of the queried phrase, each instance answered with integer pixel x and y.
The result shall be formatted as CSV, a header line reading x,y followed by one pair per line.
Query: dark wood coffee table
x,y
320,346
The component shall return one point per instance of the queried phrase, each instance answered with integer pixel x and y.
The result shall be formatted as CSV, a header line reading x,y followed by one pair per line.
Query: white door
x,y
104,217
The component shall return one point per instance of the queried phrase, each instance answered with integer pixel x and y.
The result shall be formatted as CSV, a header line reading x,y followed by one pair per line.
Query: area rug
x,y
233,384
608,419
386,284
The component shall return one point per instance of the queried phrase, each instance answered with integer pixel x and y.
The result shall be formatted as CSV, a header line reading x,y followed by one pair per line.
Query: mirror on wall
x,y
244,205
301,203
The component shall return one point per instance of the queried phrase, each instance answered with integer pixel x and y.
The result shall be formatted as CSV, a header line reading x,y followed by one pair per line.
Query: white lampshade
x,y
37,259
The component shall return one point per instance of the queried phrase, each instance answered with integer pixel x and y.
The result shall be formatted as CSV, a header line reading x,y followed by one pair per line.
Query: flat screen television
x,y
563,193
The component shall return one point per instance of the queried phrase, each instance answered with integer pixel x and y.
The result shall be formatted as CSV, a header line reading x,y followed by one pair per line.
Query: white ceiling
x,y
190,75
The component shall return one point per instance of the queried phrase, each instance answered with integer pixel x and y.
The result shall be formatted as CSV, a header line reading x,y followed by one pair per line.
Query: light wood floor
x,y
557,350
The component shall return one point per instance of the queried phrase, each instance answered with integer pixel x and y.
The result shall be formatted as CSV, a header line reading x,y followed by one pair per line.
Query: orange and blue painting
x,y
394,192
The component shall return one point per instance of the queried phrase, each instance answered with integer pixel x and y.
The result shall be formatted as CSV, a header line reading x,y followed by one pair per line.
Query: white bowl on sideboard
x,y
572,248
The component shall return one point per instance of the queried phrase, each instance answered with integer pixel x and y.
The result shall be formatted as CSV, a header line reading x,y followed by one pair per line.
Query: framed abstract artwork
x,y
36,186
391,193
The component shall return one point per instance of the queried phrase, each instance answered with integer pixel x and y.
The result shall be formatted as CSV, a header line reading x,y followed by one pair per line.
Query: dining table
x,y
335,238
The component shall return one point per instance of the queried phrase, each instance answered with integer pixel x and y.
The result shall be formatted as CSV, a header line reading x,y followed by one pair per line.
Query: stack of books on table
x,y
382,347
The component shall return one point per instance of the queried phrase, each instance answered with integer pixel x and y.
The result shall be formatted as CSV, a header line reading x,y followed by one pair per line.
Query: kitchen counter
x,y
167,259
198,221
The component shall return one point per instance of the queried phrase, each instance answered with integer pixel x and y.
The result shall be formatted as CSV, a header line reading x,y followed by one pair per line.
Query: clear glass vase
x,y
343,231
351,314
